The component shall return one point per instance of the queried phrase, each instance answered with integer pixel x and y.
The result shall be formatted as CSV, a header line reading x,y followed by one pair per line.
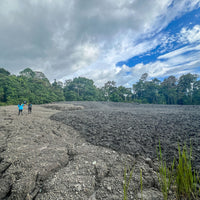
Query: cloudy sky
x,y
101,39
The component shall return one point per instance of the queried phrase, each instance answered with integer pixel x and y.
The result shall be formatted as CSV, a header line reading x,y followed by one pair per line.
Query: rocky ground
x,y
79,150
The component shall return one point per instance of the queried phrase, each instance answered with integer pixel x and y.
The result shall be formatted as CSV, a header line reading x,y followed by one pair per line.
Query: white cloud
x,y
64,38
179,52
190,35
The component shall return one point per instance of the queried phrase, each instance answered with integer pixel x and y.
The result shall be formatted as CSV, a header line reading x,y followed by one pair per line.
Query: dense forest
x,y
34,87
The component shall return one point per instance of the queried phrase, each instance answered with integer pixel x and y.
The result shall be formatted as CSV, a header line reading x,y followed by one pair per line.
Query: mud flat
x,y
137,129
78,150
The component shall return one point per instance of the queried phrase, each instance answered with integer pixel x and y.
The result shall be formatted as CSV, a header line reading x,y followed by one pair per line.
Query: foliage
x,y
116,94
16,89
35,87
165,174
127,181
80,89
187,180
141,185
27,72
3,72
168,90
184,179
185,90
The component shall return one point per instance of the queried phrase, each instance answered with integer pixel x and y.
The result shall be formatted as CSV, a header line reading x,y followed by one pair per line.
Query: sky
x,y
107,40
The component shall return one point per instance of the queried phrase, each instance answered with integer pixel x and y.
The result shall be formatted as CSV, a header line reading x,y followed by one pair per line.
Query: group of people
x,y
21,107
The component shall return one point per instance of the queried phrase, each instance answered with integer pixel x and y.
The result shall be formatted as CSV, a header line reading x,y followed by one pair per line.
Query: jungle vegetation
x,y
34,87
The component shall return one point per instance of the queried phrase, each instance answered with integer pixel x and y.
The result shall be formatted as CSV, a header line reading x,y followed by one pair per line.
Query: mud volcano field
x,y
137,129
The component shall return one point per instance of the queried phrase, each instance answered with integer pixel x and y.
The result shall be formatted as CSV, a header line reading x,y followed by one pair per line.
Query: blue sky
x,y
116,40
172,33
175,37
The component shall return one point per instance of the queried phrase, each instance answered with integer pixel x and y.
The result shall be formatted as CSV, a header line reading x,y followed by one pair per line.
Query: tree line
x,y
34,87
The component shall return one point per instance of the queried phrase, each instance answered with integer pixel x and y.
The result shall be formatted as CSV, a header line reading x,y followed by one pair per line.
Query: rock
x,y
150,194
5,187
149,162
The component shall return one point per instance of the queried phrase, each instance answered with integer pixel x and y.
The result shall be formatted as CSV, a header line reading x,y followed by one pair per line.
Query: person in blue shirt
x,y
20,106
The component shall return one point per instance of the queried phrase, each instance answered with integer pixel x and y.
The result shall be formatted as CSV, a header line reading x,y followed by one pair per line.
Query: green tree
x,y
150,92
37,89
58,90
4,72
139,88
185,88
196,92
109,91
124,93
81,89
169,90
27,72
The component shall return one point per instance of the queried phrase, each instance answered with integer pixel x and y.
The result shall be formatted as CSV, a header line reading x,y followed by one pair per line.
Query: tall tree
x,y
185,88
81,89
109,90
28,73
139,87
168,89
196,92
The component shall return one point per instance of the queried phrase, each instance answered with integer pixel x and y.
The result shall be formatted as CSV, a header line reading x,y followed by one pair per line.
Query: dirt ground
x,y
79,150
137,129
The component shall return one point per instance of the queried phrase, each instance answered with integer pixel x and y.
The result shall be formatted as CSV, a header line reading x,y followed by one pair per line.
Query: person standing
x,y
29,108
20,106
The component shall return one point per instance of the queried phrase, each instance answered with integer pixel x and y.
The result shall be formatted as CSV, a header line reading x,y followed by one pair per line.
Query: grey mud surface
x,y
79,150
137,129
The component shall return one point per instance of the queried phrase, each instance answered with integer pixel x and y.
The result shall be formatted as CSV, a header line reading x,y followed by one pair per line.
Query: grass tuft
x,y
179,178
165,175
185,180
127,179
141,188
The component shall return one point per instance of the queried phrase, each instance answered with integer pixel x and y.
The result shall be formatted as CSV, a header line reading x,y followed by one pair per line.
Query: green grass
x,y
141,188
181,176
187,179
165,175
178,177
127,179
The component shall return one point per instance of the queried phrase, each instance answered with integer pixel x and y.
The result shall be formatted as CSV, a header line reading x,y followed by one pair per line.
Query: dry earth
x,y
45,159
62,151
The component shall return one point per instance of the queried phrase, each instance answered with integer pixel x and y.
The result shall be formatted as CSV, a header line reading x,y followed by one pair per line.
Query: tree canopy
x,y
27,87
34,87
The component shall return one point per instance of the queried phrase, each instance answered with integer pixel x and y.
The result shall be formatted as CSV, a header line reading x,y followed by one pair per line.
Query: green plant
x,y
165,175
187,179
141,184
127,180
